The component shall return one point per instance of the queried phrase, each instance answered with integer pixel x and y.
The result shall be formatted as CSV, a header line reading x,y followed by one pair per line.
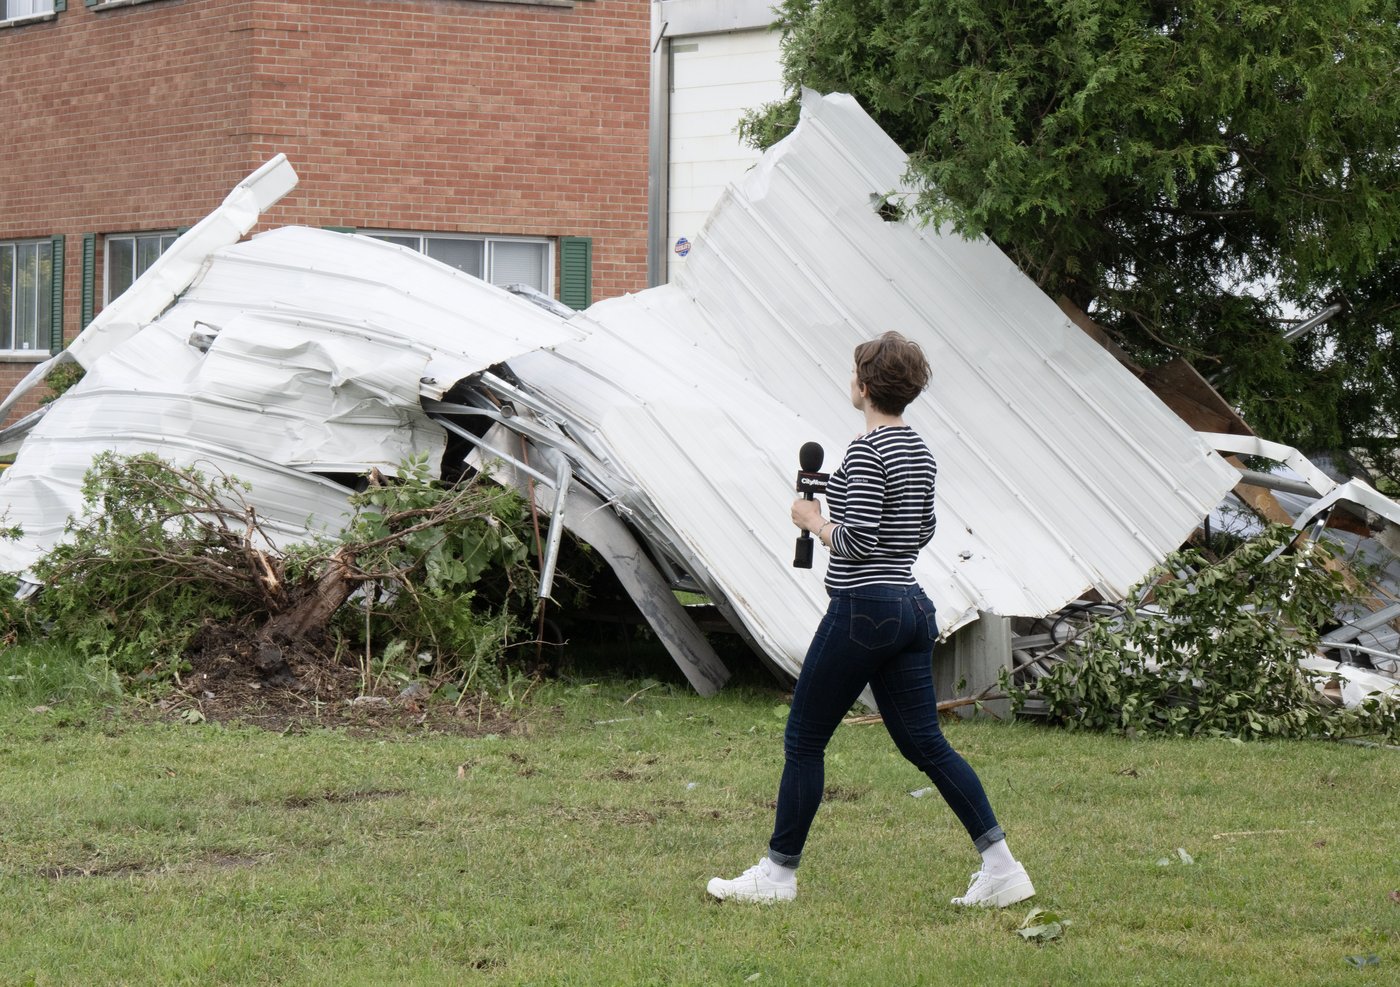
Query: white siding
x,y
715,78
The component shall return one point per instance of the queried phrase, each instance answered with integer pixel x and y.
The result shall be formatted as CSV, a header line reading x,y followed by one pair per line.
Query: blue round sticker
x,y
682,246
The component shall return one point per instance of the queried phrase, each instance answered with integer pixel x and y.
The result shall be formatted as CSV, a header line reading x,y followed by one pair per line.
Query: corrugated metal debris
x,y
1361,655
663,427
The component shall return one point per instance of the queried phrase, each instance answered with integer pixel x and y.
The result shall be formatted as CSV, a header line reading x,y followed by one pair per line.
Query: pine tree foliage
x,y
1190,173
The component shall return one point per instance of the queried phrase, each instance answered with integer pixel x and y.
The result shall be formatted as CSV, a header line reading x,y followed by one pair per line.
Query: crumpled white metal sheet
x,y
1058,469
713,456
298,353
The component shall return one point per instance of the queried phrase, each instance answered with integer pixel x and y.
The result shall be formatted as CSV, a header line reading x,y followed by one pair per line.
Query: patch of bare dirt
x,y
338,798
234,678
146,868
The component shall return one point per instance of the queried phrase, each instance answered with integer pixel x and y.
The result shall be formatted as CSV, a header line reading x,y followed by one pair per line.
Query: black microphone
x,y
809,484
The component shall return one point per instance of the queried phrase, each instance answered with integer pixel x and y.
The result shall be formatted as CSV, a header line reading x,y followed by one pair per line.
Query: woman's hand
x,y
807,514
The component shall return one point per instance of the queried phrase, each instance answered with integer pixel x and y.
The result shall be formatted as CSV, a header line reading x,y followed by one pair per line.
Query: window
x,y
11,10
104,4
26,295
129,256
500,260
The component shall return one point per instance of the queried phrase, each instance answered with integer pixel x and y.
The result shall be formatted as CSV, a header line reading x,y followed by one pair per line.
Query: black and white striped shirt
x,y
881,498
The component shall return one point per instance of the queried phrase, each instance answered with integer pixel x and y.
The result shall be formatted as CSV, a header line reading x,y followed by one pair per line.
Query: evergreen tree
x,y
1190,173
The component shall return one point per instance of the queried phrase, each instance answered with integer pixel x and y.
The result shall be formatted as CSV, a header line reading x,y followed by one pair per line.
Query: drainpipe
x,y
658,150
1308,325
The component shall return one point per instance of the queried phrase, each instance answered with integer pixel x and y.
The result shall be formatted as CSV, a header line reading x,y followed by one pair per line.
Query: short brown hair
x,y
893,370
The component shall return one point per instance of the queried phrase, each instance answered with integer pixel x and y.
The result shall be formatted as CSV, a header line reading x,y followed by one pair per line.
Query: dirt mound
x,y
236,678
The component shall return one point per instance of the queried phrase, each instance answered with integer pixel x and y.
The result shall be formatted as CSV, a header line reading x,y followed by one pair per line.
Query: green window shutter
x,y
89,276
576,271
181,230
56,299
92,3
339,229
59,6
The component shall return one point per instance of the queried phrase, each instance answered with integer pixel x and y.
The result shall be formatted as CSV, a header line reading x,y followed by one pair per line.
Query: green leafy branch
x,y
160,551
1213,650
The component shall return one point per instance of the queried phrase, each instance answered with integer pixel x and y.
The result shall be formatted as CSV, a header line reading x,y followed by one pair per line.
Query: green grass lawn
x,y
577,850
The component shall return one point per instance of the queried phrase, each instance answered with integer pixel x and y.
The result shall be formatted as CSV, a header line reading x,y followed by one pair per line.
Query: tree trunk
x,y
312,611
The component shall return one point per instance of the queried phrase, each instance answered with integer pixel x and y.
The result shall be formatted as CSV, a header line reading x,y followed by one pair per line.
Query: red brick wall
x,y
441,115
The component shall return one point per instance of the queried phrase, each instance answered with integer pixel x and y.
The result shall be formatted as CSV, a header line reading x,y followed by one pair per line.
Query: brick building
x,y
509,139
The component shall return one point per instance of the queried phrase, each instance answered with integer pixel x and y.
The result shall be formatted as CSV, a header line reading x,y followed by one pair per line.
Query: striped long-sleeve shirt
x,y
881,498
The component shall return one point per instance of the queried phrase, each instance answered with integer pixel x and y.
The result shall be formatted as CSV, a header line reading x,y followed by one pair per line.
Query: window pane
x,y
129,257
121,265
514,261
7,297
147,251
23,8
468,256
411,242
26,294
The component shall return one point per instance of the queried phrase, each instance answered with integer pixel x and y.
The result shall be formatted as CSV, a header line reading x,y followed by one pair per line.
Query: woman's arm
x,y
858,534
928,522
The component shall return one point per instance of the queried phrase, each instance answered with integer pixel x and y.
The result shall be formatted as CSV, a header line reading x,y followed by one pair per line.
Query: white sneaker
x,y
997,892
758,883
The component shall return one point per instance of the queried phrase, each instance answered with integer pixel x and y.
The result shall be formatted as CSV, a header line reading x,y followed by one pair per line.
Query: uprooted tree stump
x,y
159,542
306,616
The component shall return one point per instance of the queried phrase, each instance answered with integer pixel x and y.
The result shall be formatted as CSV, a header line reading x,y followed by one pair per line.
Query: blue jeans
x,y
882,635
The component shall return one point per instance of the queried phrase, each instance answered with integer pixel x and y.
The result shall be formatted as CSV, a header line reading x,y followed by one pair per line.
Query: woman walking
x,y
879,628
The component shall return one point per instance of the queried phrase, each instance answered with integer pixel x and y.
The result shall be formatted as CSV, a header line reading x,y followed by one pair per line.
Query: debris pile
x,y
661,428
